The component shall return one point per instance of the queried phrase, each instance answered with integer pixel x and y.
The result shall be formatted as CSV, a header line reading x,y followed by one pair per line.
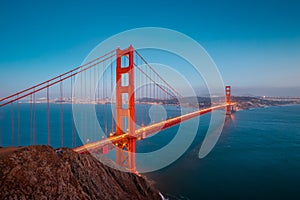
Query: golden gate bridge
x,y
109,79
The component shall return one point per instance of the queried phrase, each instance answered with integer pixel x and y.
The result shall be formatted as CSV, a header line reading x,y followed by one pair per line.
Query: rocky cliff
x,y
40,172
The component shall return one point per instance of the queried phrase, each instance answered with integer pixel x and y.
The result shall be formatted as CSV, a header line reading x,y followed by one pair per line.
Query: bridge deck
x,y
147,130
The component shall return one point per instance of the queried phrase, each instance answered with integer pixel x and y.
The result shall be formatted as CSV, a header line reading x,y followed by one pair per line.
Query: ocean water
x,y
256,157
24,124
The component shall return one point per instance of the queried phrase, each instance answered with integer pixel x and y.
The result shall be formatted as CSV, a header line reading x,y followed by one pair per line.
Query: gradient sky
x,y
255,44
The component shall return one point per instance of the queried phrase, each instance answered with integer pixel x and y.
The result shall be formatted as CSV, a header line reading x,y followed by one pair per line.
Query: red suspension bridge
x,y
108,83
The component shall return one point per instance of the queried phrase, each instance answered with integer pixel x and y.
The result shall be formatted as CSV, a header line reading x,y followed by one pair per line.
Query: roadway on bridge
x,y
148,130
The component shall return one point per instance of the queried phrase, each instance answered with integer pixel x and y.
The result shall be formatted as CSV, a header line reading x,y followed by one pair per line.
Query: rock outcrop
x,y
40,172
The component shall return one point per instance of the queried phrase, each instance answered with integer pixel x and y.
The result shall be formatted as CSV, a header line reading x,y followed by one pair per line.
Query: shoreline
x,y
247,103
267,106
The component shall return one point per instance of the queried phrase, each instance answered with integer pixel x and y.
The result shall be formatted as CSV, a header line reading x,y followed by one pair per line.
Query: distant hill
x,y
244,102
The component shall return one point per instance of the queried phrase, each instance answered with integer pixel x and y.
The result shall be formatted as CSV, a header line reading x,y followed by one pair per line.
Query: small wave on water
x,y
162,196
173,197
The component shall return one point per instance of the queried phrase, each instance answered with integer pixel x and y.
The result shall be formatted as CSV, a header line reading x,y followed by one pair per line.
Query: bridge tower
x,y
125,109
228,100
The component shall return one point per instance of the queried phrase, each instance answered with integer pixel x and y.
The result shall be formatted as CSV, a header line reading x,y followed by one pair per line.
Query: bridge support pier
x,y
125,109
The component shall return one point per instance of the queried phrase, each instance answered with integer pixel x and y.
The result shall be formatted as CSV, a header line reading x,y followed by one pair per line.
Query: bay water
x,y
256,157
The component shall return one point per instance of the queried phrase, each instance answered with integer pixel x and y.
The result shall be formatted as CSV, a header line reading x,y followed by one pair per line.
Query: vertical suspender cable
x,y
85,113
147,92
61,115
81,100
73,114
103,98
71,99
12,125
19,128
98,93
94,93
90,123
48,114
30,130
34,118
112,89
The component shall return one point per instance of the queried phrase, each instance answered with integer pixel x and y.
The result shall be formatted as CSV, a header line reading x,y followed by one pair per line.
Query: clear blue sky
x,y
255,44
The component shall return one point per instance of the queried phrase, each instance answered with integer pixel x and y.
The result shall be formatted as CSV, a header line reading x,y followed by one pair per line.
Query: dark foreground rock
x,y
40,172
